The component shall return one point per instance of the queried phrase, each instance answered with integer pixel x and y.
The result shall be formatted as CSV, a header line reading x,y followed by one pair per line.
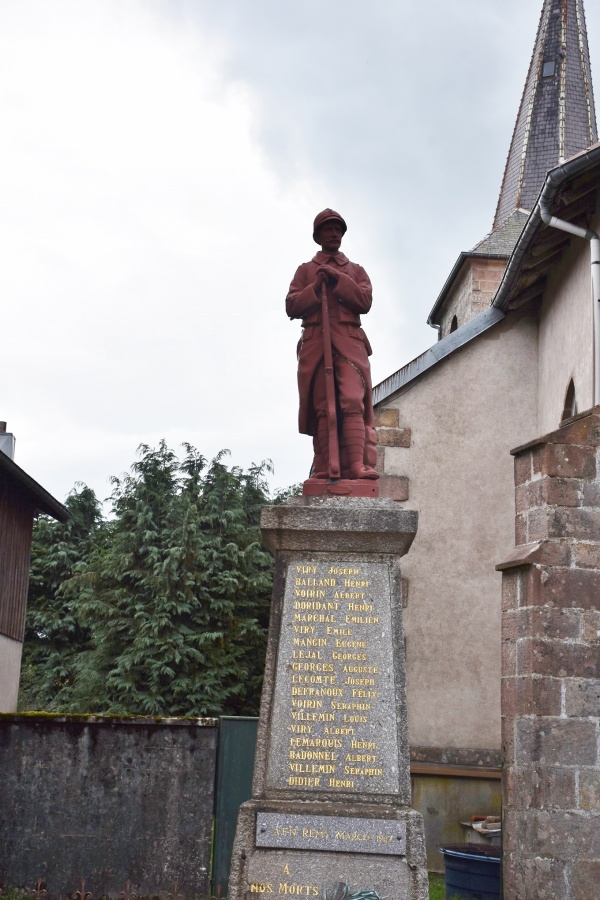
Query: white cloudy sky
x,y
161,162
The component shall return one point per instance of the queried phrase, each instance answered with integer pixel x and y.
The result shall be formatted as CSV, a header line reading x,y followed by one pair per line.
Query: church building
x,y
514,358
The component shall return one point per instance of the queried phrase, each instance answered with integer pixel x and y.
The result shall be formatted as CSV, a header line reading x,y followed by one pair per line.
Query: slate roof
x,y
556,117
501,241
570,189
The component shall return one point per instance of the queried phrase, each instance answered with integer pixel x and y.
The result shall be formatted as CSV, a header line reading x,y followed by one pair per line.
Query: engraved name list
x,y
334,720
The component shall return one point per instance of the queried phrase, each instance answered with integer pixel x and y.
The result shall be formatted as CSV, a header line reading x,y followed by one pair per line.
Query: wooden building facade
x,y
21,500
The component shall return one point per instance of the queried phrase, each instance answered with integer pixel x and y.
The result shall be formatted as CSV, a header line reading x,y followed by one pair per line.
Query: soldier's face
x,y
330,236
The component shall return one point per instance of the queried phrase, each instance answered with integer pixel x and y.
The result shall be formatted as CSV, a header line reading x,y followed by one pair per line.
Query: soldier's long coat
x,y
346,301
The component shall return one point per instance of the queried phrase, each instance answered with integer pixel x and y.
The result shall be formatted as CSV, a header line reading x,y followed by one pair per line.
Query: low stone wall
x,y
107,800
551,669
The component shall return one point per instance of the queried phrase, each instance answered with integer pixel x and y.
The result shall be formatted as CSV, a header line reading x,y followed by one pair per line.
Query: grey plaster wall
x,y
106,800
566,344
465,415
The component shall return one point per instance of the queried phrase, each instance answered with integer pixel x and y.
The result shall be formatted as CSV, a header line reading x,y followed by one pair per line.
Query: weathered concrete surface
x,y
106,800
339,525
395,878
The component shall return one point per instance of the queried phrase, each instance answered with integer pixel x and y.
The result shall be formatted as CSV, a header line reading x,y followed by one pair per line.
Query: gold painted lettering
x,y
341,783
303,781
362,620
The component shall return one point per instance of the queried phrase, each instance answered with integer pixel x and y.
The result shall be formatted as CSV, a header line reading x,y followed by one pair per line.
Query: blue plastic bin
x,y
473,871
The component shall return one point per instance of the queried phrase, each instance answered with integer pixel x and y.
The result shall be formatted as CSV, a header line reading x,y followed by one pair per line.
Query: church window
x,y
570,408
453,324
548,68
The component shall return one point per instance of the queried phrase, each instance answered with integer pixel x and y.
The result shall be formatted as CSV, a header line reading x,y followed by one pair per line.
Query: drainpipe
x,y
594,240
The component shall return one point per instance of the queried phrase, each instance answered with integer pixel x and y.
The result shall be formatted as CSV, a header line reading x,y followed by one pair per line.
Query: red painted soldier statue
x,y
334,376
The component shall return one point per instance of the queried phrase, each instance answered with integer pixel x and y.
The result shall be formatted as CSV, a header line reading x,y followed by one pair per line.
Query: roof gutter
x,y
543,213
554,181
589,235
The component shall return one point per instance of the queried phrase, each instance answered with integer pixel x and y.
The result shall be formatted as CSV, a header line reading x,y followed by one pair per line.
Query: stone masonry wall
x,y
551,669
389,434
473,292
107,800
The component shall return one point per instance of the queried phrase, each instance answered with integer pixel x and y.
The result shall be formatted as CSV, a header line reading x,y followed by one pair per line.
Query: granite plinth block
x,y
302,872
339,525
331,786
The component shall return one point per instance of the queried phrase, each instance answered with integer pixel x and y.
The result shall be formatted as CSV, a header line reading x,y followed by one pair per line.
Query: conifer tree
x,y
173,600
54,634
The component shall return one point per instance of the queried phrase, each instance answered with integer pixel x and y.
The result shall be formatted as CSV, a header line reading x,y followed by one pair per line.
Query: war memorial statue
x,y
330,294
330,813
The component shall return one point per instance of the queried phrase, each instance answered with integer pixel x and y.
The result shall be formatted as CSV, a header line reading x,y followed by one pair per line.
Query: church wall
x,y
473,292
457,301
566,336
465,415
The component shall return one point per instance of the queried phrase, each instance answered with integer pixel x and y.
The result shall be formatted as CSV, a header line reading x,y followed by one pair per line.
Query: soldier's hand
x,y
328,273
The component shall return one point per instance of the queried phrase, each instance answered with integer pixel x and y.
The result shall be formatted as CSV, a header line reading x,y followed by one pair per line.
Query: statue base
x,y
330,816
343,487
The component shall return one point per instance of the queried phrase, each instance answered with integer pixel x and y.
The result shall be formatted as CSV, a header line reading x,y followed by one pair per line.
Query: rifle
x,y
334,447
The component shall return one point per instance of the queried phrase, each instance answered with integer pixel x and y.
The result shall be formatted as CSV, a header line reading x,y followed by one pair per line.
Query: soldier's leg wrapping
x,y
351,388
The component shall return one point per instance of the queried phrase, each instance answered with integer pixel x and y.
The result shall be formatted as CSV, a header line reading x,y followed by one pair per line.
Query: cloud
x,y
149,245
161,164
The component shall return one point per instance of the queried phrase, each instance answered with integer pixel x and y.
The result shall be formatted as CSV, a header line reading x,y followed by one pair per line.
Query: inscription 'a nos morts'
x,y
334,723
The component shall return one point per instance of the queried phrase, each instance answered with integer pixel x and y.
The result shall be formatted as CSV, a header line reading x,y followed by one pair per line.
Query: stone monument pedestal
x,y
330,813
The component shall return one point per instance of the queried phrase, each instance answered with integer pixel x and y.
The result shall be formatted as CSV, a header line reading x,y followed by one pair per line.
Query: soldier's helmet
x,y
326,216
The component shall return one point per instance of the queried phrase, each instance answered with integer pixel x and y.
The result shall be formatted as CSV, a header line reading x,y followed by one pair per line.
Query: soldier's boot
x,y
353,438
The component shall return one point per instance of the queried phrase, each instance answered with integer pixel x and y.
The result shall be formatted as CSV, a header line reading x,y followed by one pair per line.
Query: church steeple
x,y
557,117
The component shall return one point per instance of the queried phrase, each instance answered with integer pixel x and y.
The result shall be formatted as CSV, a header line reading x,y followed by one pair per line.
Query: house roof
x,y
39,497
498,244
556,118
570,189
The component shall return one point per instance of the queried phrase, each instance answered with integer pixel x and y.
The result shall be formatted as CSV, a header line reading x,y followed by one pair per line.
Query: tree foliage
x,y
167,603
54,633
